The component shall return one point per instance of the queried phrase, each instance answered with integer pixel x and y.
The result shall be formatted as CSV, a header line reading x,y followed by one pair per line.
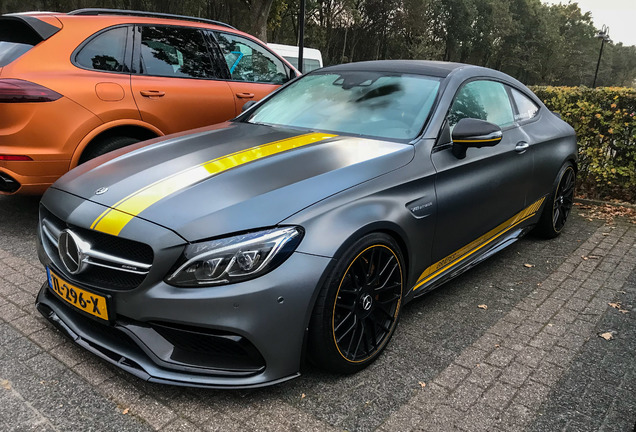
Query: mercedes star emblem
x,y
72,250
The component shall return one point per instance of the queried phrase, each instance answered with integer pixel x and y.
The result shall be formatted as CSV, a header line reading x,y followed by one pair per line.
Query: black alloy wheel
x,y
563,200
558,204
367,303
357,311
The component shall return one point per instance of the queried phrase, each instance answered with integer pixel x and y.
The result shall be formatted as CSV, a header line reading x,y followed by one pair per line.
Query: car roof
x,y
421,67
115,16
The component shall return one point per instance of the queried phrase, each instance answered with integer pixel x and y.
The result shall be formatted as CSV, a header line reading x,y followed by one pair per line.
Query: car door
x,y
177,85
477,194
254,70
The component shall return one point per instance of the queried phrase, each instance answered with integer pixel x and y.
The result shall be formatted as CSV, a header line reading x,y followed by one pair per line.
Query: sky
x,y
618,15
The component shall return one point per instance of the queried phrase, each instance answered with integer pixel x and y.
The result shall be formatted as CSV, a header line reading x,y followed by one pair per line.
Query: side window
x,y
105,52
175,52
248,61
484,100
526,107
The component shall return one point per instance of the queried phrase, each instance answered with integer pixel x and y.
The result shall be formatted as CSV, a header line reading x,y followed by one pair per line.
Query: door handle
x,y
245,95
152,93
522,146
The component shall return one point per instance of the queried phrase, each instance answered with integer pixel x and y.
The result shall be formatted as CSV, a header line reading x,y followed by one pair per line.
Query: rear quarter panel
x,y
553,144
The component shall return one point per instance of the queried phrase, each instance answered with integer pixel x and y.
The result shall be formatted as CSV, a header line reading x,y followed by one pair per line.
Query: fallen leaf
x,y
422,384
528,265
5,384
303,396
607,336
618,306
125,411
482,306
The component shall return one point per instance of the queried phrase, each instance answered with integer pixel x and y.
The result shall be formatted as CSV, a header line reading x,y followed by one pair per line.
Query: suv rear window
x,y
16,38
10,51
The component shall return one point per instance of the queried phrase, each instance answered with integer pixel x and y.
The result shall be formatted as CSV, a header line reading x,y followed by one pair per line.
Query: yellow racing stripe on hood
x,y
115,218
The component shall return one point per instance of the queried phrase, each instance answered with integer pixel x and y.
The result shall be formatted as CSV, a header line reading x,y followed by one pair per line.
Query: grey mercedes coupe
x,y
224,256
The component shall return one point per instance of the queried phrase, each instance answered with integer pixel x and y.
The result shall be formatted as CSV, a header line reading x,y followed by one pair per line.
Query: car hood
x,y
223,180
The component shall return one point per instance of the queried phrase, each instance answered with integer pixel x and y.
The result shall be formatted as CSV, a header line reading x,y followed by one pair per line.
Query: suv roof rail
x,y
98,11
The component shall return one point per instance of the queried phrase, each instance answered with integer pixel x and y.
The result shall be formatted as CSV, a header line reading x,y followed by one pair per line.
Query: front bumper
x,y
240,336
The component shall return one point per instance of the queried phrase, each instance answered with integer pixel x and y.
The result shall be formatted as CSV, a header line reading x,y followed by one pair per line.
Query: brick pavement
x,y
502,379
531,361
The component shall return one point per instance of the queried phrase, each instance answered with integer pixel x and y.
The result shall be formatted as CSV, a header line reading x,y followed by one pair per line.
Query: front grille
x,y
115,263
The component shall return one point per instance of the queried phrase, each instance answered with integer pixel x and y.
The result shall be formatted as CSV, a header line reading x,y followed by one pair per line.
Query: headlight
x,y
234,259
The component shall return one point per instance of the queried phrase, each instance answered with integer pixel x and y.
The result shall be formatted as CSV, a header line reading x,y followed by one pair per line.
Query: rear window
x,y
10,51
16,38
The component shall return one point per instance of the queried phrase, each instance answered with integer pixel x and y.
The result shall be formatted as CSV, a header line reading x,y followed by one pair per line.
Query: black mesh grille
x,y
94,276
201,346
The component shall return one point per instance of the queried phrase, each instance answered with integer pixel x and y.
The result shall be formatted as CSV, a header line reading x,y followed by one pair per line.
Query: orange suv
x,y
74,86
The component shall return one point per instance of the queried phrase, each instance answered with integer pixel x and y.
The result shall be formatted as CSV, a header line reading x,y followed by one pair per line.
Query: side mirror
x,y
247,105
469,132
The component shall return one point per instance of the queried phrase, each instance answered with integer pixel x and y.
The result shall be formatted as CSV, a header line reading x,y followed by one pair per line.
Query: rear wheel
x,y
104,145
358,307
558,204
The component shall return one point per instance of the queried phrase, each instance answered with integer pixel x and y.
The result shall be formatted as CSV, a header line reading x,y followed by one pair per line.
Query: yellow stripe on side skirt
x,y
456,257
114,219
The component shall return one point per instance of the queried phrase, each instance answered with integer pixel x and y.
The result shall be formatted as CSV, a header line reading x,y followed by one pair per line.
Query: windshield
x,y
377,104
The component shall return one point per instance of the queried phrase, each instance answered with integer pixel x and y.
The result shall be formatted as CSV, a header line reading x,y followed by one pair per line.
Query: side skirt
x,y
484,247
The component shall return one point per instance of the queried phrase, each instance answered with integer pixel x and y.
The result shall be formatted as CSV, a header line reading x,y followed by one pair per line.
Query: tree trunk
x,y
259,12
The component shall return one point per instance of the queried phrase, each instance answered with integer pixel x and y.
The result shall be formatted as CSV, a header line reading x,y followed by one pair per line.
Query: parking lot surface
x,y
540,337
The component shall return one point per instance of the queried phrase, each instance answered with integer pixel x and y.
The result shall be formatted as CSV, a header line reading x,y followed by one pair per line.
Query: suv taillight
x,y
15,90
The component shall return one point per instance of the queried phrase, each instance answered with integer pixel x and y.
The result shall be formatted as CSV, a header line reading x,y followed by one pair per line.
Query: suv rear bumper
x,y
31,178
46,132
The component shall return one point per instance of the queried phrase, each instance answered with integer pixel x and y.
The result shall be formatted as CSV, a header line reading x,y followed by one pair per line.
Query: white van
x,y
312,58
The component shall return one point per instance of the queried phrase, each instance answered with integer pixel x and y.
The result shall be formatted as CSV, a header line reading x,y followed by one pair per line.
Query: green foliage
x,y
536,42
605,123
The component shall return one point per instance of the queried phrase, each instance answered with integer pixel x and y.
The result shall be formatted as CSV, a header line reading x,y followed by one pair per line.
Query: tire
x,y
357,310
558,204
105,145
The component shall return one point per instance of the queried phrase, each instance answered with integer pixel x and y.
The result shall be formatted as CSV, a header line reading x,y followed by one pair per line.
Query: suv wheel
x,y
104,145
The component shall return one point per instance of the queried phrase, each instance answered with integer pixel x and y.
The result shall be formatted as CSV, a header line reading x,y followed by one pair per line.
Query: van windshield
x,y
376,104
308,64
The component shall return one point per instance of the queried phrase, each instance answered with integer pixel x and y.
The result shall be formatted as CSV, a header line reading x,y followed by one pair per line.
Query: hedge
x,y
605,123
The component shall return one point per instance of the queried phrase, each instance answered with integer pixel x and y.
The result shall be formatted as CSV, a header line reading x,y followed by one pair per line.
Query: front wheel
x,y
358,307
558,204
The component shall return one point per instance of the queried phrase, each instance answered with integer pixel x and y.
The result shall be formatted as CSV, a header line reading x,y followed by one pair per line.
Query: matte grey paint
x,y
417,192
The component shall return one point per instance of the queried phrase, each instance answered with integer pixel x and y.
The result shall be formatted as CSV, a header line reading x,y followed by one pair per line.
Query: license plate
x,y
83,300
